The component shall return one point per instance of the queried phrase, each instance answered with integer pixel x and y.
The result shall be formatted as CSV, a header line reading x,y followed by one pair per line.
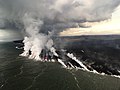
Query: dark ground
x,y
102,54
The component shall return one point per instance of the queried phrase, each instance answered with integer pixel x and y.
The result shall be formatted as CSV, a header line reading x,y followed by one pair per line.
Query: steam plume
x,y
36,16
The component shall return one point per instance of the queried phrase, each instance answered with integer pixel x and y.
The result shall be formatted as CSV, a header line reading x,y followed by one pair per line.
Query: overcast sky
x,y
10,35
94,17
110,26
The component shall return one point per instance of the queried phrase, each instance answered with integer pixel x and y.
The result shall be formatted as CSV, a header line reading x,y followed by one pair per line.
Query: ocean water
x,y
20,73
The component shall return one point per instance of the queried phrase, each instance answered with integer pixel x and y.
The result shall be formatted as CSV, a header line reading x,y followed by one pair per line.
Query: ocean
x,y
21,73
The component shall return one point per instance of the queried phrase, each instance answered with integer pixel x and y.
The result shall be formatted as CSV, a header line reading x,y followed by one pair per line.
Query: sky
x,y
61,17
107,27
9,35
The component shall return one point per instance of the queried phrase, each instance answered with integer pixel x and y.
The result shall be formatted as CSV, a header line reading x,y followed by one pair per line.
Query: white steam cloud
x,y
58,10
37,16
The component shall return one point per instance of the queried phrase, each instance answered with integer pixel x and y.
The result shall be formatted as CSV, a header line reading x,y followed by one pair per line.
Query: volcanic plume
x,y
41,19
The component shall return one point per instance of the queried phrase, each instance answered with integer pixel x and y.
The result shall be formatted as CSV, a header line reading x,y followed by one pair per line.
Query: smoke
x,y
38,17
58,11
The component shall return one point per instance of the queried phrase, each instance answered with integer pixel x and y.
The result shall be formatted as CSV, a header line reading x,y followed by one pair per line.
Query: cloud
x,y
57,14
